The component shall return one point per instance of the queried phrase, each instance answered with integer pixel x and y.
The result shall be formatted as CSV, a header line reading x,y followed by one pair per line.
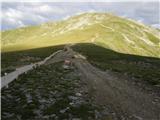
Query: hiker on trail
x,y
67,64
65,48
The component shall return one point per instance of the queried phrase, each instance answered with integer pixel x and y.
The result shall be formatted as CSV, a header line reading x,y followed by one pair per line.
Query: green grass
x,y
11,60
102,27
152,38
144,68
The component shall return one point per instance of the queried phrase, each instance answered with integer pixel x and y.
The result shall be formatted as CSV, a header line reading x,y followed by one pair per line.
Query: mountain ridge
x,y
104,29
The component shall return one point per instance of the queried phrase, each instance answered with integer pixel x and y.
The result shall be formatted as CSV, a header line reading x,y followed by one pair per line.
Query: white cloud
x,y
13,23
46,9
66,17
156,25
21,24
12,13
22,15
31,13
140,20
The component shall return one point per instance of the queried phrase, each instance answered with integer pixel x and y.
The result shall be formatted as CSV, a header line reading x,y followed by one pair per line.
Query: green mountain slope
x,y
109,31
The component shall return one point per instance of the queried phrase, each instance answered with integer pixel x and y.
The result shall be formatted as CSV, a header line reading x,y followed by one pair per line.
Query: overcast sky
x,y
19,14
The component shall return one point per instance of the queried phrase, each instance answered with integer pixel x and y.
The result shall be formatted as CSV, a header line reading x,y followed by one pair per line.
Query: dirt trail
x,y
121,95
107,89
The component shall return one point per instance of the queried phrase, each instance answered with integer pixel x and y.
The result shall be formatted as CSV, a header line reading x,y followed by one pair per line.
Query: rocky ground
x,y
47,93
82,92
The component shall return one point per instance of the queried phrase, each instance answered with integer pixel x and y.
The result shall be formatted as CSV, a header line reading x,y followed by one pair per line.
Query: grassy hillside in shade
x,y
110,31
12,60
47,92
143,68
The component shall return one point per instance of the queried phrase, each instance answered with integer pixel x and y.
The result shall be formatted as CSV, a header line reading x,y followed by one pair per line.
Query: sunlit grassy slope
x,y
109,31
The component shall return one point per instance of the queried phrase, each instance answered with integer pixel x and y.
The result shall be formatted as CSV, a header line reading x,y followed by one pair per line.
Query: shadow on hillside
x,y
11,60
144,68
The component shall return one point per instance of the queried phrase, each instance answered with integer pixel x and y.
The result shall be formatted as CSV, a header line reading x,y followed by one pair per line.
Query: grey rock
x,y
76,119
73,98
78,94
64,110
53,115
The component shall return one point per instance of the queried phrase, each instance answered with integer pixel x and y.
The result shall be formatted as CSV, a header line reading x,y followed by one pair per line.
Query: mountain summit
x,y
107,30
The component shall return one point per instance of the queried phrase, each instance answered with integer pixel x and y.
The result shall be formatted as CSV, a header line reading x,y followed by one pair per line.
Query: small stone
x,y
76,119
29,98
137,117
19,117
72,98
18,99
78,94
71,103
53,115
37,112
8,114
64,110
97,114
42,101
6,86
46,117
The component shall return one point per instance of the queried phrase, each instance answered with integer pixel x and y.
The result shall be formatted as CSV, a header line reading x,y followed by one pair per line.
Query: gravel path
x,y
121,95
